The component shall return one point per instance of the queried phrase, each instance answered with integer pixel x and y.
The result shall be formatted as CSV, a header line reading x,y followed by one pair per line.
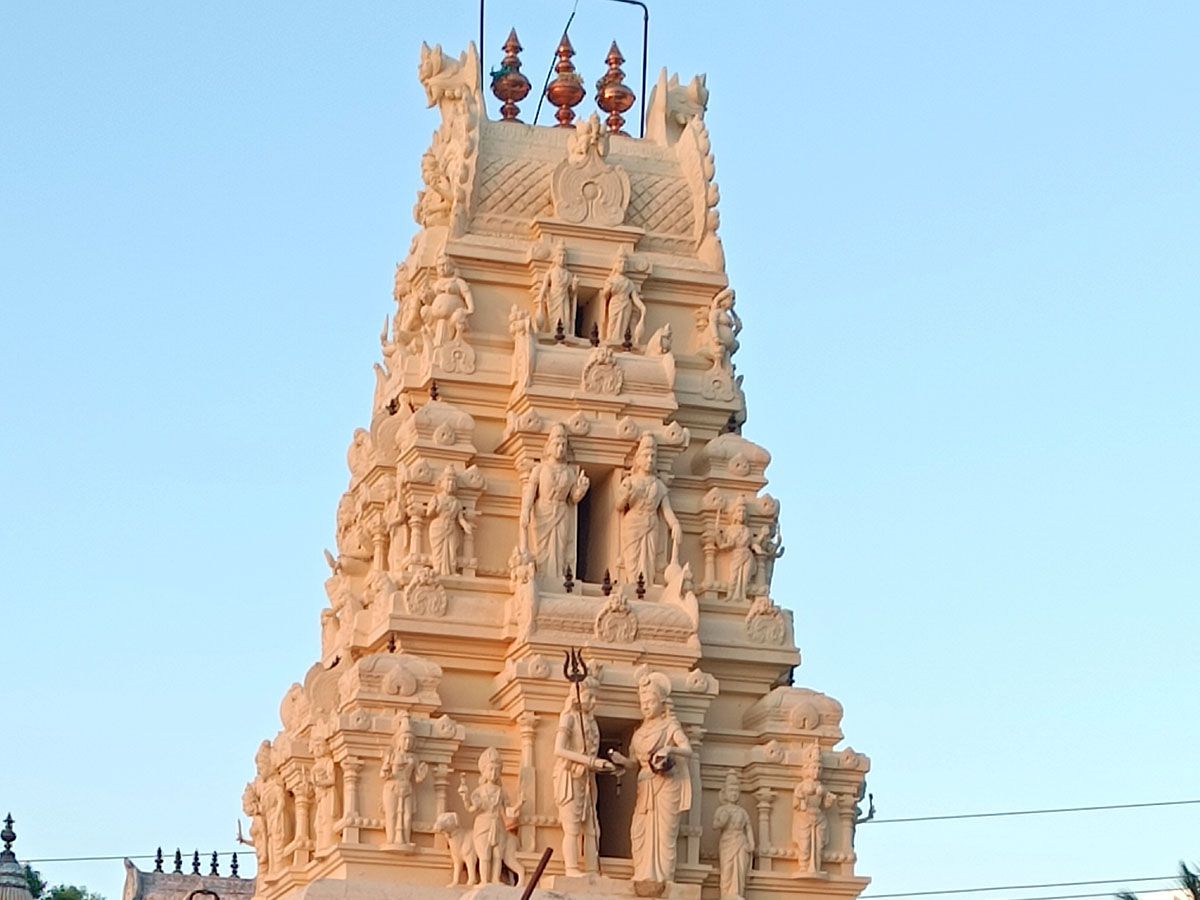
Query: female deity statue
x,y
494,816
401,772
621,297
325,784
737,538
659,750
736,846
448,523
576,748
810,826
555,301
450,308
724,326
547,520
642,497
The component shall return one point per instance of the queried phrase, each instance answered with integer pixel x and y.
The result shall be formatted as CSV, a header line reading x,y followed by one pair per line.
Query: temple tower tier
x,y
550,617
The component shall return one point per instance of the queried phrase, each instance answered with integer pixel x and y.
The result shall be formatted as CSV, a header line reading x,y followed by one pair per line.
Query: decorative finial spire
x,y
13,884
641,586
8,835
213,870
594,336
178,870
508,84
568,580
433,390
612,95
560,333
233,867
606,585
158,860
196,862
566,90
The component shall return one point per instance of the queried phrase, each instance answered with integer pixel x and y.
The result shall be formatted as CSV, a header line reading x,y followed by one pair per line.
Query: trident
x,y
575,670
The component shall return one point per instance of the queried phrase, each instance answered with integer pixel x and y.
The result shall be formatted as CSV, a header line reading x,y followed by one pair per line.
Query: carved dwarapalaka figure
x,y
736,846
448,522
446,315
642,498
272,799
494,845
252,807
401,772
547,522
576,746
620,297
659,750
556,296
810,826
324,783
737,538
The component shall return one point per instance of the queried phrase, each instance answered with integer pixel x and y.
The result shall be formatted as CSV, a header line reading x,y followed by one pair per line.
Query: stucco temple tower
x,y
553,462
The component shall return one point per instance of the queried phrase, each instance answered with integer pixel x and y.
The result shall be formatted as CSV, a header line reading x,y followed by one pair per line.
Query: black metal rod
x,y
645,50
537,873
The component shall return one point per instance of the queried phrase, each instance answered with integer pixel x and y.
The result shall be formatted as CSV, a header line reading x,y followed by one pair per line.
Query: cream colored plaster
x,y
548,464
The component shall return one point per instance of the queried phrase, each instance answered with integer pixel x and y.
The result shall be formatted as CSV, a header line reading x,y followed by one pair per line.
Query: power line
x,y
1032,812
1017,887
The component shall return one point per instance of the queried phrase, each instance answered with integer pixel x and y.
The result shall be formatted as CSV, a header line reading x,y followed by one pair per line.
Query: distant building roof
x,y
159,885
13,885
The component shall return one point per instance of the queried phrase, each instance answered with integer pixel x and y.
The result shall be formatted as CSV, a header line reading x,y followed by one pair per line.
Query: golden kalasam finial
x,y
566,90
508,84
612,95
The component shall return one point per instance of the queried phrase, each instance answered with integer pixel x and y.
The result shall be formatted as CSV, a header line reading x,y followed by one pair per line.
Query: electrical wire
x,y
58,859
1030,812
1017,887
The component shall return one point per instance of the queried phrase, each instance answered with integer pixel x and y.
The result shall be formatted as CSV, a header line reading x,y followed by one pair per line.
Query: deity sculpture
x,y
659,750
737,538
810,825
736,846
324,783
272,803
547,520
448,522
452,305
620,298
401,772
556,296
642,498
354,549
770,548
495,846
433,203
576,748
722,325
252,807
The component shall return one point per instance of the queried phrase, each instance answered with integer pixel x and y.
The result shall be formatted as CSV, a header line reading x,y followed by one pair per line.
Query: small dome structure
x,y
13,885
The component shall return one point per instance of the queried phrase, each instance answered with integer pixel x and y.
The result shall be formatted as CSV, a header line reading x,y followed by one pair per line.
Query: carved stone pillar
x,y
695,821
351,770
302,843
710,562
416,539
847,812
441,780
527,782
765,802
379,548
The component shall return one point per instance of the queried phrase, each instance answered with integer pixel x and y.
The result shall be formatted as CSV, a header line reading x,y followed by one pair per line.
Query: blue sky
x,y
963,237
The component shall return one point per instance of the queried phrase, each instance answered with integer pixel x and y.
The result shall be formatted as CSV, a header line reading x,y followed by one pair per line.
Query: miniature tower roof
x,y
13,885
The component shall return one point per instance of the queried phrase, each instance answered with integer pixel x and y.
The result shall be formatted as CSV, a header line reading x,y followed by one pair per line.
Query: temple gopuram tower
x,y
550,620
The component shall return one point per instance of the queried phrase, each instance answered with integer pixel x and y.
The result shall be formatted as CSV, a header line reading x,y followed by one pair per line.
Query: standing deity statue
x,y
446,315
737,538
620,298
736,846
491,837
770,548
659,750
272,803
324,781
577,748
642,498
547,522
401,772
252,806
810,825
448,522
557,294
